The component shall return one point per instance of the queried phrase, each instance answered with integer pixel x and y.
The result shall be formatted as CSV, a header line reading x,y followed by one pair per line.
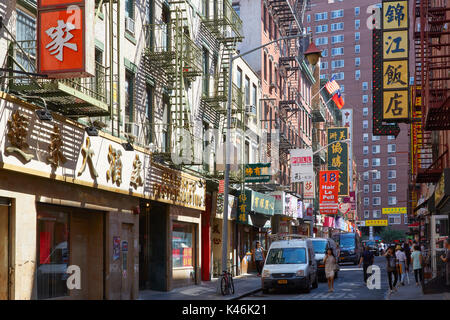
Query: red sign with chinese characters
x,y
63,41
329,192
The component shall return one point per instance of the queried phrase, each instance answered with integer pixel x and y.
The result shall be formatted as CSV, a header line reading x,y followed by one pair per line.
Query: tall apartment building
x,y
342,30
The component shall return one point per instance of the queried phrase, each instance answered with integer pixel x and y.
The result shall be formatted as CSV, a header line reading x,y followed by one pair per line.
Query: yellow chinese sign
x,y
395,105
395,74
376,223
395,14
398,210
395,44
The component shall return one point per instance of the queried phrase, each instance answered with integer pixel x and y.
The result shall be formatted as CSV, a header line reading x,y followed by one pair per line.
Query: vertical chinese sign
x,y
347,121
65,44
338,156
302,170
329,192
395,61
255,202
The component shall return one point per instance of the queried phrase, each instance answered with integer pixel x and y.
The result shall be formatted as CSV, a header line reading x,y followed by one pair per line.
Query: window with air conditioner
x,y
376,213
392,187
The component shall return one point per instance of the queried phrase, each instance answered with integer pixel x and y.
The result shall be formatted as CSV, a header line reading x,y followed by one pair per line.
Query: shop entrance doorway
x,y
4,248
127,246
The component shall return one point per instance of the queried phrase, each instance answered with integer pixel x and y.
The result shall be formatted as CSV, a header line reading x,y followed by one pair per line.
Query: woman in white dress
x,y
330,268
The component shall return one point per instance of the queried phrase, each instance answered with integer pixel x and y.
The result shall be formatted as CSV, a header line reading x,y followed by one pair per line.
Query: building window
x,y
265,66
337,26
391,137
376,175
357,36
321,41
357,24
357,74
391,148
365,114
342,88
239,78
392,200
376,162
375,138
366,150
357,10
337,14
308,18
392,161
337,51
365,137
265,18
322,28
365,86
376,213
129,9
247,90
337,39
365,124
366,163
182,245
149,112
324,53
376,187
365,98
366,175
395,220
338,76
375,149
376,201
321,16
324,65
392,187
129,89
392,174
366,188
337,64
357,62
357,48
236,8
366,214
366,202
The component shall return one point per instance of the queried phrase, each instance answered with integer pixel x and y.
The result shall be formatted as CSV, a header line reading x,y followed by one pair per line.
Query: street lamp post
x,y
311,54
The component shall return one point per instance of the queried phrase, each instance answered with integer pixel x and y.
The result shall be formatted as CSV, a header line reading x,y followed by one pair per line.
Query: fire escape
x,y
431,93
171,50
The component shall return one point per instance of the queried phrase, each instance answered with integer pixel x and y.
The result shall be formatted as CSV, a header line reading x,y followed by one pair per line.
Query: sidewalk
x,y
207,290
411,292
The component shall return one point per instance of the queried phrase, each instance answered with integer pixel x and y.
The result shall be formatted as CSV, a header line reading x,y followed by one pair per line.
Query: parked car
x,y
321,246
290,264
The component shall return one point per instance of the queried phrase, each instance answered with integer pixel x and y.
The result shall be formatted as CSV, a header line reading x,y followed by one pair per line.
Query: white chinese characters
x,y
60,36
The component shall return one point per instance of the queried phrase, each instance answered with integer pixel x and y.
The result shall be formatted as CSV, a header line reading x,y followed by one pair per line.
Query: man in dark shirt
x,y
408,254
366,260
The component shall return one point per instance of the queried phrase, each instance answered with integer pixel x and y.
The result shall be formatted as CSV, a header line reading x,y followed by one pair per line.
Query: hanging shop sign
x,y
251,201
302,165
299,209
338,156
395,68
290,205
376,223
257,172
65,40
347,121
279,201
442,190
329,192
398,210
309,190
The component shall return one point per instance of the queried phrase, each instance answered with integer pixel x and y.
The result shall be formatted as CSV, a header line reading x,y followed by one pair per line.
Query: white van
x,y
290,264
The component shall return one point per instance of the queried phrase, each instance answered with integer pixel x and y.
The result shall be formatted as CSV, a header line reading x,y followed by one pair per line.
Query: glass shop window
x,y
182,245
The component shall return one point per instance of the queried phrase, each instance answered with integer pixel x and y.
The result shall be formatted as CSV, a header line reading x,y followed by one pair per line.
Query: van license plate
x,y
282,281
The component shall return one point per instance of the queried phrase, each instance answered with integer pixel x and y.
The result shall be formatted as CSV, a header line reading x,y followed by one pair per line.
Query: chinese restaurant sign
x,y
395,61
376,223
329,192
399,210
257,172
302,165
338,156
309,191
251,201
65,43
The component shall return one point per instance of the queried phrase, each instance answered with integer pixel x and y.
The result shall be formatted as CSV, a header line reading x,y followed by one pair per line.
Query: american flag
x,y
332,86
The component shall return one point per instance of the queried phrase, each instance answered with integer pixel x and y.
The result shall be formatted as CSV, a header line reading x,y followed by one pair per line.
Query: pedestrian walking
x,y
330,268
417,263
401,266
366,260
446,259
391,266
258,257
407,251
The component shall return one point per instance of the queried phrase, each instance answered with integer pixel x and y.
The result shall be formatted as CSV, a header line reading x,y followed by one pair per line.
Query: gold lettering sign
x,y
376,223
56,156
395,104
17,135
395,74
395,15
395,44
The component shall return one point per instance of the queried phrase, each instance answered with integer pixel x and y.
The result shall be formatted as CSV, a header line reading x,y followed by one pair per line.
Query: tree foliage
x,y
389,235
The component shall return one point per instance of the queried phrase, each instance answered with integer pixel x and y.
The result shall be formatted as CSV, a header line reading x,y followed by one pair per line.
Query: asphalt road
x,y
348,286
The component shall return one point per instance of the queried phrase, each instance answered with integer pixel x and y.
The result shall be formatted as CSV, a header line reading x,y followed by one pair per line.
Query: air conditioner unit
x,y
129,25
132,129
250,109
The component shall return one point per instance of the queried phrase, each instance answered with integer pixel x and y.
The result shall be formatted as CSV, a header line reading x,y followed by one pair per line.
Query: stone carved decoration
x,y
136,179
88,155
17,135
115,166
56,156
